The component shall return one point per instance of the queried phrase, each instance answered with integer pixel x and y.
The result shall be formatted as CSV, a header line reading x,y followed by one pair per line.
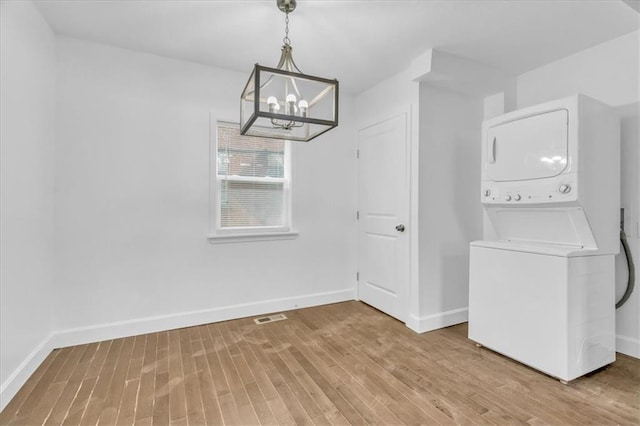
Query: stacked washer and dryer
x,y
542,282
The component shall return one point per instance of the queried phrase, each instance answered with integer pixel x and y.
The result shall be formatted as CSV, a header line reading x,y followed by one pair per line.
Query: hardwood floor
x,y
341,363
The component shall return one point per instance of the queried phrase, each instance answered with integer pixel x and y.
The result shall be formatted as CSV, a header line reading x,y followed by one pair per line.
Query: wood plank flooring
x,y
338,364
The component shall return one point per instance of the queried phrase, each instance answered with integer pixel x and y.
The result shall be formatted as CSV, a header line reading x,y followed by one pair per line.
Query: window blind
x,y
252,180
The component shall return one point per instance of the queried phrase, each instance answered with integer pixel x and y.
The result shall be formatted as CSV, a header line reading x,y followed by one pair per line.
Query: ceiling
x,y
358,42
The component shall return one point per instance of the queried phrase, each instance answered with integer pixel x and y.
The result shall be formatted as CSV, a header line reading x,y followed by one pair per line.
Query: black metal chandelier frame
x,y
255,77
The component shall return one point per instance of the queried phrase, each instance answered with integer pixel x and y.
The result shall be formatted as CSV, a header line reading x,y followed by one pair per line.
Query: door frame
x,y
411,302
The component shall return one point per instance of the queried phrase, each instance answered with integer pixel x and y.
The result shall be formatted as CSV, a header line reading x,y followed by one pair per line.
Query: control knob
x,y
565,188
517,197
487,192
507,198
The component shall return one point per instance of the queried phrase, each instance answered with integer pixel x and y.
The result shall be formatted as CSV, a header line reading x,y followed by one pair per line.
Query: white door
x,y
383,209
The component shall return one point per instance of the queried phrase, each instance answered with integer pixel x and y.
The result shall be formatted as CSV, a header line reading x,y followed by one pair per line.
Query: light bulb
x,y
303,105
272,101
291,104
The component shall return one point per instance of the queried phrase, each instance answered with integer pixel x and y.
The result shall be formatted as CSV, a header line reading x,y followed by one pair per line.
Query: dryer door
x,y
533,147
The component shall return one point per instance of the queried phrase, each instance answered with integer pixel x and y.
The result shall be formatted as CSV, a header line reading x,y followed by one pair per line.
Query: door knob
x,y
400,228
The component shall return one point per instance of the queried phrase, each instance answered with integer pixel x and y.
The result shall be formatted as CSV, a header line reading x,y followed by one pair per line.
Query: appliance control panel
x,y
514,193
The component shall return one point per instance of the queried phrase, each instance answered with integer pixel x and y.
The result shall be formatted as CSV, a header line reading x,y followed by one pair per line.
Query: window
x,y
251,186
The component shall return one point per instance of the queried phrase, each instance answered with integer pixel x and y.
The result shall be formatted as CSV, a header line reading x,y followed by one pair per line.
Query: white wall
x,y
608,72
450,211
133,197
27,78
387,97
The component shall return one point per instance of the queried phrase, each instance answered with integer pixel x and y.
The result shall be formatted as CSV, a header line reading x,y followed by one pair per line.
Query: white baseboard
x,y
116,330
628,346
436,321
17,379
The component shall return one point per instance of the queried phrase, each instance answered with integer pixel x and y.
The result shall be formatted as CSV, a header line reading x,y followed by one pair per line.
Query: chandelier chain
x,y
286,39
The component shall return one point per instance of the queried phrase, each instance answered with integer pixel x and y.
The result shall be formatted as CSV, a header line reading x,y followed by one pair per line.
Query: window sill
x,y
246,238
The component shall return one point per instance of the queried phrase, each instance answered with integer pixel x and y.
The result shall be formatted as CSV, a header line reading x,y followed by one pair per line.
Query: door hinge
x,y
357,276
357,214
357,153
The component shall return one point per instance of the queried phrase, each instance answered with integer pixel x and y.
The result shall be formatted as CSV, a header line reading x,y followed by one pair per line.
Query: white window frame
x,y
218,234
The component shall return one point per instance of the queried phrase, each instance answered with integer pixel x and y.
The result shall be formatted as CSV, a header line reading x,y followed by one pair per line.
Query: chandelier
x,y
284,103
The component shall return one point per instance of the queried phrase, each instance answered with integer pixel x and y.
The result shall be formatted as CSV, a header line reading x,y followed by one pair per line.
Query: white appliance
x,y
541,287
